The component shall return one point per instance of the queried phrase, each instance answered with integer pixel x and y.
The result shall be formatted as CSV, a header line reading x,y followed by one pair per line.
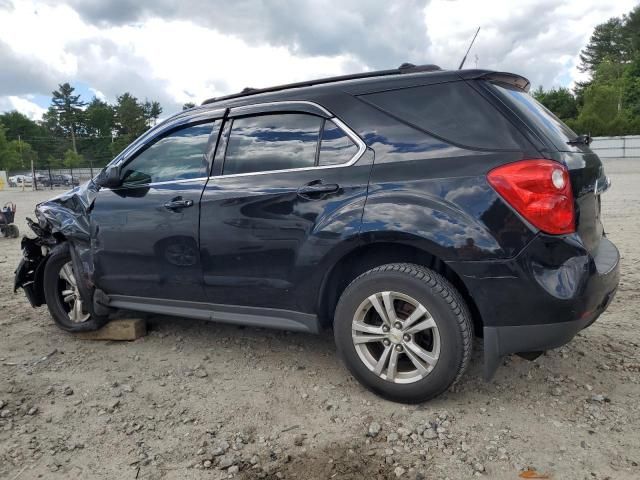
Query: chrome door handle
x,y
318,189
177,204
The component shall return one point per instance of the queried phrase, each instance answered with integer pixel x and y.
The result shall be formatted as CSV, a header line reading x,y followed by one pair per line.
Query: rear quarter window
x,y
452,111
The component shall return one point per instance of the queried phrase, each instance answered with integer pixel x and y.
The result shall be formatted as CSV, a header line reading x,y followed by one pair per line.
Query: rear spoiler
x,y
508,78
512,79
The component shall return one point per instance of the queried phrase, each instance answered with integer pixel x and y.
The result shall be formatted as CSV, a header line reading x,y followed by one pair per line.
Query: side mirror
x,y
109,177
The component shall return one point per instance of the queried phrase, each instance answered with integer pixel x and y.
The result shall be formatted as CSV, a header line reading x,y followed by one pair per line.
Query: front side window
x,y
272,142
179,155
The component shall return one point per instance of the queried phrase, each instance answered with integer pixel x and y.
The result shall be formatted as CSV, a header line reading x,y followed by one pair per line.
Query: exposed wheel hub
x,y
395,335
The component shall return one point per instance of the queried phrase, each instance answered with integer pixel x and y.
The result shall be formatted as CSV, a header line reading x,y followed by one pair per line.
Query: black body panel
x,y
260,247
142,248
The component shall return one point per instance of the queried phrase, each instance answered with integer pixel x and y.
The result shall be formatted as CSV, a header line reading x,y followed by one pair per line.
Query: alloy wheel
x,y
72,302
396,337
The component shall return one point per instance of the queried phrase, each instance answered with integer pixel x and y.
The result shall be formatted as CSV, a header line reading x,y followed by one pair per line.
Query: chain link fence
x,y
50,178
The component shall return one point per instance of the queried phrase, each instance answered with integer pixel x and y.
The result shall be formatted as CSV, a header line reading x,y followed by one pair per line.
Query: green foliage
x,y
9,153
609,41
20,126
188,105
131,117
14,154
609,103
152,111
99,118
559,100
66,110
73,133
72,159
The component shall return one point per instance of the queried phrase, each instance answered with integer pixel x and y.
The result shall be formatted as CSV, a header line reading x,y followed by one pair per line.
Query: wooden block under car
x,y
122,329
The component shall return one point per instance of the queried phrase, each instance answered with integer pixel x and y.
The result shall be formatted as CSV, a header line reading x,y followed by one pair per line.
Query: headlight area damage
x,y
65,218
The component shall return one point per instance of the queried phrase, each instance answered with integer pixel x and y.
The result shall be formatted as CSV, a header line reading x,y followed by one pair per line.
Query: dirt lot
x,y
200,400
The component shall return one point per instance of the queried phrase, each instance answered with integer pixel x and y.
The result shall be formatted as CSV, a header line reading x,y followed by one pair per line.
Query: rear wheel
x,y
63,296
404,332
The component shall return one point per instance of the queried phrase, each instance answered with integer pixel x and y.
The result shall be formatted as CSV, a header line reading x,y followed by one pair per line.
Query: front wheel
x,y
404,332
62,294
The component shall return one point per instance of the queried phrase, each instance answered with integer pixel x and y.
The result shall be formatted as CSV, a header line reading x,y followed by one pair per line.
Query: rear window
x,y
452,111
533,112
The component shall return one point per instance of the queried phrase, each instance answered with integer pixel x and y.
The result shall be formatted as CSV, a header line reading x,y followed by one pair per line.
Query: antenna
x,y
468,49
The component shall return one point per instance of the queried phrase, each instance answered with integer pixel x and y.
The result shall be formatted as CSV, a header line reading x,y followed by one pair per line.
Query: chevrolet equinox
x,y
409,210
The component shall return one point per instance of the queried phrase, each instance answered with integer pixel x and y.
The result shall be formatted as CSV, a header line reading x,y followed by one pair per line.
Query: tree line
x,y
609,102
74,133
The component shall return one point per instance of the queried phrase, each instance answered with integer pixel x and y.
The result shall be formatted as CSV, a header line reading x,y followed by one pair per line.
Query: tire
x,y
432,346
13,231
57,271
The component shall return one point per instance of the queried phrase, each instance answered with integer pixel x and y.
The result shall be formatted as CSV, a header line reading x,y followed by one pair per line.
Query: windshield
x,y
537,115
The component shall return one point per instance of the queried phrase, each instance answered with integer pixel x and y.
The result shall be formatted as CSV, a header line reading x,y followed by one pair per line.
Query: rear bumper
x,y
543,297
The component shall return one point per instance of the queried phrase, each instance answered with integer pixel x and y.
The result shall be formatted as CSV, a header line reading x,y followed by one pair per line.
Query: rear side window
x,y
453,111
335,145
533,112
272,142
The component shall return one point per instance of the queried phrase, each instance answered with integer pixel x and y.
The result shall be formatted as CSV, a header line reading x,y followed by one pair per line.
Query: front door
x,y
145,233
287,187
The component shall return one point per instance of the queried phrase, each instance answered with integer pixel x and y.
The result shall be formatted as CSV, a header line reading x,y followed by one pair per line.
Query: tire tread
x,y
442,287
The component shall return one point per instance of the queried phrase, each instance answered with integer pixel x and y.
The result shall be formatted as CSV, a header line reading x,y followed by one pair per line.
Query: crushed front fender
x,y
64,218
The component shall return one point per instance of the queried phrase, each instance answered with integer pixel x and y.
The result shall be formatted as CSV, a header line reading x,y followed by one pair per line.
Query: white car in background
x,y
19,180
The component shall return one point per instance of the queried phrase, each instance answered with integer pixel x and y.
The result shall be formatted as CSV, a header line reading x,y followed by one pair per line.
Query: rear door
x,y
145,239
287,187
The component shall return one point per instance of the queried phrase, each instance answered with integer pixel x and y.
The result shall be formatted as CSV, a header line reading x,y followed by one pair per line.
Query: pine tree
x,y
67,108
609,41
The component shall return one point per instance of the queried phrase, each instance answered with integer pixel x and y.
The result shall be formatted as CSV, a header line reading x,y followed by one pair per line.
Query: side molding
x,y
233,314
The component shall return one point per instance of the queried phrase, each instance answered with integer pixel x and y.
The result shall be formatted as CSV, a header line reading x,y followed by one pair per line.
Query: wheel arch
x,y
365,257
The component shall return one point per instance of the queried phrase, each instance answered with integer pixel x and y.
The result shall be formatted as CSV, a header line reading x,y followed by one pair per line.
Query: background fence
x,y
50,178
617,147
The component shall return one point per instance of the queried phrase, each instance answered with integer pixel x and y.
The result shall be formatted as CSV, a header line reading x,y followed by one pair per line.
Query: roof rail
x,y
404,68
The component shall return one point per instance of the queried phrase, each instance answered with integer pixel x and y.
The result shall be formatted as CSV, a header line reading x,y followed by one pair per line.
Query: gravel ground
x,y
200,400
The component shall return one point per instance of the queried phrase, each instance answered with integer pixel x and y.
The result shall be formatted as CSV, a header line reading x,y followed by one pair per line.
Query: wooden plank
x,y
126,329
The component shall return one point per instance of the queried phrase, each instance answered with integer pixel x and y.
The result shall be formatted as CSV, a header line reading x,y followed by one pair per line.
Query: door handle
x,y
177,204
317,189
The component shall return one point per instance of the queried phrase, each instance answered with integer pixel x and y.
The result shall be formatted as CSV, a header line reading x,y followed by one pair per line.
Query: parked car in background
x,y
19,180
406,209
51,180
69,180
58,180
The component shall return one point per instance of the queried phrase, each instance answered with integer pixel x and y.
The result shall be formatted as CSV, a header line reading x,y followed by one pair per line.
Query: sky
x,y
189,50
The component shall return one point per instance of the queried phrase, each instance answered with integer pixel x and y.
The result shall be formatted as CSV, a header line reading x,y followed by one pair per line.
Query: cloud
x,y
23,105
379,33
189,50
22,74
540,39
116,69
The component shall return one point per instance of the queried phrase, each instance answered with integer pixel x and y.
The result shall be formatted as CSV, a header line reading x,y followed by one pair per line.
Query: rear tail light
x,y
540,191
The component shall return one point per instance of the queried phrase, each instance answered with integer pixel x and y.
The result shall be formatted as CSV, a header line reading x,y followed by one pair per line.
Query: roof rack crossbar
x,y
404,68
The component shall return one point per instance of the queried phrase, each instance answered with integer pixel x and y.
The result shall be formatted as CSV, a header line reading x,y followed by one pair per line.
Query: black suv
x,y
408,209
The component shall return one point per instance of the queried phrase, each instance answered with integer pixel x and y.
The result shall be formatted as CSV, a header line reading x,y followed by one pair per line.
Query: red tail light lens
x,y
540,191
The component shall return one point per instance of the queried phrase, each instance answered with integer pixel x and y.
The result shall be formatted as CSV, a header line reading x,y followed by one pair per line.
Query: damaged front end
x,y
65,218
